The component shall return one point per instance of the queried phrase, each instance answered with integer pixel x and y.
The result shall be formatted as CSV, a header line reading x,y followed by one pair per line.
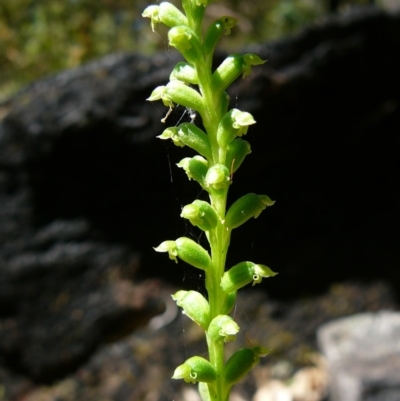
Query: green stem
x,y
211,116
219,239
217,358
216,301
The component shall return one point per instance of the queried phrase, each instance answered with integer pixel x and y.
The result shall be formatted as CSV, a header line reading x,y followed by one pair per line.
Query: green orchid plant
x,y
195,85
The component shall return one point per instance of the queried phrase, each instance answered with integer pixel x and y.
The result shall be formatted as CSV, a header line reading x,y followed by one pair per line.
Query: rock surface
x,y
61,298
139,365
363,354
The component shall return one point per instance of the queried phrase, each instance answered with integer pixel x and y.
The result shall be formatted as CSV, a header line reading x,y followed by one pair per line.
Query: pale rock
x,y
363,354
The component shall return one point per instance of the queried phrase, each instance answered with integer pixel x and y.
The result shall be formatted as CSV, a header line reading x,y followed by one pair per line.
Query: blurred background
x,y
86,191
41,37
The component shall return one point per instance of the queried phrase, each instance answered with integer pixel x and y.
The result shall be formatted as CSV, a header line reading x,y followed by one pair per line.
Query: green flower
x,y
172,133
160,93
195,369
152,13
223,328
170,247
201,214
218,177
241,119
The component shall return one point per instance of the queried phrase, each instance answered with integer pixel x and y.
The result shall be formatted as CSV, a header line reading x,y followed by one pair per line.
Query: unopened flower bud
x,y
241,362
244,273
184,72
195,167
195,306
186,42
246,207
234,123
195,369
223,328
195,138
201,214
236,152
193,253
217,177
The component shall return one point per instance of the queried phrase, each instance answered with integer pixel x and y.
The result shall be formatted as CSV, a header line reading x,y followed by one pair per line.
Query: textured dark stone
x,y
138,366
60,299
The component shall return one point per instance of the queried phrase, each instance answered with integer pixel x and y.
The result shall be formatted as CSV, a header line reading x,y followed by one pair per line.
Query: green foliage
x,y
38,38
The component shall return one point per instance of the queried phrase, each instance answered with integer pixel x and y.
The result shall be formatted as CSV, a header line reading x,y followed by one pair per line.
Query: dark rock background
x,y
86,190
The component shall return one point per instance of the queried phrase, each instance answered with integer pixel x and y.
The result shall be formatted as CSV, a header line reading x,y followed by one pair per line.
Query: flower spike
x,y
219,150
